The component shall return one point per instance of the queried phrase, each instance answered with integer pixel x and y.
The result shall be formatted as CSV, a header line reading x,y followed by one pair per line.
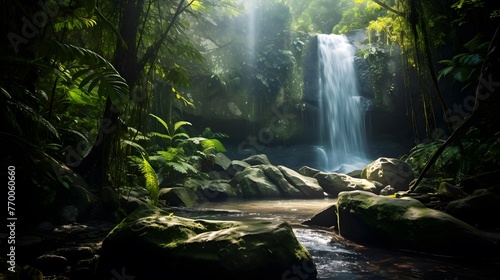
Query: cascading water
x,y
341,109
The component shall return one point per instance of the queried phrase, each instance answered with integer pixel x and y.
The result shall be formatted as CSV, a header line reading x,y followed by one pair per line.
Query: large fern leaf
x,y
92,70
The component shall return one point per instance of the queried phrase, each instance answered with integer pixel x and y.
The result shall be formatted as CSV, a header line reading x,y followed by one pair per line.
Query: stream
x,y
337,258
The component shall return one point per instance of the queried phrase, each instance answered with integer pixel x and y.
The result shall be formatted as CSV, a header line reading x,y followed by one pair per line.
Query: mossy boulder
x,y
212,190
307,185
151,244
405,223
286,189
333,183
252,182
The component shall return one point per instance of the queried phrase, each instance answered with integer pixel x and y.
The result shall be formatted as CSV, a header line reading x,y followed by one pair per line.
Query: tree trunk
x,y
486,102
95,166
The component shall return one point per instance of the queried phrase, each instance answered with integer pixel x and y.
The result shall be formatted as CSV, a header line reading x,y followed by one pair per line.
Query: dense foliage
x,y
94,93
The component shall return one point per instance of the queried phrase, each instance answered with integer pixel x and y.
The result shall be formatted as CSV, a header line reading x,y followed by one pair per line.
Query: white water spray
x,y
341,109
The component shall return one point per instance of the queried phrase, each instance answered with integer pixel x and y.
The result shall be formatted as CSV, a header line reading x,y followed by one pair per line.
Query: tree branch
x,y
490,66
387,7
152,51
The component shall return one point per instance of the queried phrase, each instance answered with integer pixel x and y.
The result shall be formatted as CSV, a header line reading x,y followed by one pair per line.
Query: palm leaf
x,y
34,116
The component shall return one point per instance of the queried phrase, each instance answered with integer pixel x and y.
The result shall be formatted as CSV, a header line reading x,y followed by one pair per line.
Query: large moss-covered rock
x,y
406,224
212,190
151,244
307,185
286,189
333,183
389,171
253,183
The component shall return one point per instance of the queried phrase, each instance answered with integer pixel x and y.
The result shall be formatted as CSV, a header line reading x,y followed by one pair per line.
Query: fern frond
x,y
170,154
93,69
34,116
161,135
152,184
179,167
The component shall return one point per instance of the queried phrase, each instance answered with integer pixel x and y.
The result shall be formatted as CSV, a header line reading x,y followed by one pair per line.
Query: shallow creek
x,y
337,258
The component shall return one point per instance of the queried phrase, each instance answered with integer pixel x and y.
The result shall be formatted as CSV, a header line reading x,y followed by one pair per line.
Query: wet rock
x,y
257,159
325,218
307,185
75,254
286,189
212,190
151,244
238,165
389,171
129,202
253,183
221,162
388,190
450,192
308,171
406,223
334,183
178,196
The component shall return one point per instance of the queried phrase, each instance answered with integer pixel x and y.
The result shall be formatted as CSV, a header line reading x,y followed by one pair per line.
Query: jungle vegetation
x,y
94,93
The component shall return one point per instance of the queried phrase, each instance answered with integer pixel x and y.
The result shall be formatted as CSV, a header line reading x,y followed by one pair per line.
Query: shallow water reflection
x,y
337,258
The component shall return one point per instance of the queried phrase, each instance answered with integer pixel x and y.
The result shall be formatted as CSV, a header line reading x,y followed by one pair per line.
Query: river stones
x,y
406,224
286,189
152,244
252,182
307,185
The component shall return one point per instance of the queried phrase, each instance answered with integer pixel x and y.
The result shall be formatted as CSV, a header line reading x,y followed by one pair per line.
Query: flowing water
x,y
341,109
337,258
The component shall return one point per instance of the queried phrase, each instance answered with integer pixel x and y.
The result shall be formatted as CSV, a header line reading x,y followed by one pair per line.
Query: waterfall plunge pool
x,y
337,258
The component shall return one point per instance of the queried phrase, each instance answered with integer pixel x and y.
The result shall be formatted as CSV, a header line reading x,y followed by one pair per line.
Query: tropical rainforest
x,y
100,98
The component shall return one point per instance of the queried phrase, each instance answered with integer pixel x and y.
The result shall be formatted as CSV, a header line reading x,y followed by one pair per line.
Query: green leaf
x,y
165,125
135,145
180,135
213,144
161,135
179,124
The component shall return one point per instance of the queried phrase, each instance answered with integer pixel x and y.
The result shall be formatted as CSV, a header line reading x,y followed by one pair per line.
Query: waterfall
x,y
341,109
